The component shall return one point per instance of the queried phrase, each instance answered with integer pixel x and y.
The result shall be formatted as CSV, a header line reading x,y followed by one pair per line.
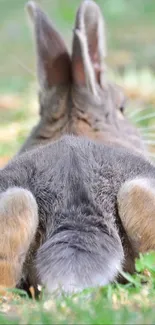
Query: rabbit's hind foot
x,y
18,224
136,206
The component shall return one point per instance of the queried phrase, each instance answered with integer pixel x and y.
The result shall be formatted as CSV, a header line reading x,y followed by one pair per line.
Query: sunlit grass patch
x,y
132,303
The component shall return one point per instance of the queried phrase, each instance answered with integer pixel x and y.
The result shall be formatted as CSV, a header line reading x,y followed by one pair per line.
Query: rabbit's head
x,y
75,95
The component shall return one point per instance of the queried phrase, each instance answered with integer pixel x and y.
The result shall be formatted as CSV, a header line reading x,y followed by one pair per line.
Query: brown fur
x,y
19,221
136,203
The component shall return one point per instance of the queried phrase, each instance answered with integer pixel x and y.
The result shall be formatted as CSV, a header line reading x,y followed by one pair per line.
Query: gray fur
x,y
75,183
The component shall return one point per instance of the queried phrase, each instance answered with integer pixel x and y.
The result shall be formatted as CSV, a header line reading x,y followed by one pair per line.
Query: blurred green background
x,y
130,26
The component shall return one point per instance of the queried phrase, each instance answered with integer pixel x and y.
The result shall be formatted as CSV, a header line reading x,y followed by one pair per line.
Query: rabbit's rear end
x,y
79,241
75,183
84,250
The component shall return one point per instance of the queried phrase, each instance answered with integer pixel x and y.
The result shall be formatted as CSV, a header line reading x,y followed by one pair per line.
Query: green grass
x,y
132,303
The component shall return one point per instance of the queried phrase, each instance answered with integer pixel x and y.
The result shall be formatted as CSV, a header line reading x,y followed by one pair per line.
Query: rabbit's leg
x,y
136,206
18,224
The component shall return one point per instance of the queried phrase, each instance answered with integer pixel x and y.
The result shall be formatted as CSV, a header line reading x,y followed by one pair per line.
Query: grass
x,y
130,37
132,303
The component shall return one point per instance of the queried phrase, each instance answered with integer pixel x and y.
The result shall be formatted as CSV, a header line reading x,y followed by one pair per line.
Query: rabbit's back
x,y
74,165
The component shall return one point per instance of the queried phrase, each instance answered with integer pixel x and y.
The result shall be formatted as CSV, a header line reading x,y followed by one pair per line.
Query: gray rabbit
x,y
76,203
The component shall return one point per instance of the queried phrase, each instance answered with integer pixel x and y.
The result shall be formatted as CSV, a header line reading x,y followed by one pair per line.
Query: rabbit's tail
x,y
75,258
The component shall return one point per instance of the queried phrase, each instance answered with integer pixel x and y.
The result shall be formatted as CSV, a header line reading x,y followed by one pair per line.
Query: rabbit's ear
x,y
89,47
53,61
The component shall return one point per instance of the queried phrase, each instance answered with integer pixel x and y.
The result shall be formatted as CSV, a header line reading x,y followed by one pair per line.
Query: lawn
x,y
133,303
131,61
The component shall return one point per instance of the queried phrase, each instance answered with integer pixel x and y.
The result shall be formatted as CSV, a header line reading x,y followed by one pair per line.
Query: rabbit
x,y
72,209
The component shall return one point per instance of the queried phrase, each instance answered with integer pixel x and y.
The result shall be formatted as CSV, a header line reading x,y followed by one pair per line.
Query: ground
x,y
133,303
131,60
